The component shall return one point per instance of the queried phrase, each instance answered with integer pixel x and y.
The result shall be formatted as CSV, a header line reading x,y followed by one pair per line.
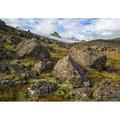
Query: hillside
x,y
48,68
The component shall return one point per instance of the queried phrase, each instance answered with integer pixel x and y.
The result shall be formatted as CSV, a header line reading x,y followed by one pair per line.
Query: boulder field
x,y
35,67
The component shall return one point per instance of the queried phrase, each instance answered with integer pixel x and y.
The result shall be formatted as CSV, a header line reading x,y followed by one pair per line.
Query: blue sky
x,y
79,28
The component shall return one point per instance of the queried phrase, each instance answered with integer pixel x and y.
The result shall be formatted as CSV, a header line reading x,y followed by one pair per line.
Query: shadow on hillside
x,y
110,69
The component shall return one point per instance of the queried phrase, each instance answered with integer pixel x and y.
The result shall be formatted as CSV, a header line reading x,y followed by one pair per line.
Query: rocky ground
x,y
36,68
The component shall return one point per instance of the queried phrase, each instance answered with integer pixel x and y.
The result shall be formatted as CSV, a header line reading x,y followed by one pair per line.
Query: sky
x,y
78,28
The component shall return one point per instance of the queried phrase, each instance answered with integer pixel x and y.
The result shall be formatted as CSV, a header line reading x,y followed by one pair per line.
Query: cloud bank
x,y
82,29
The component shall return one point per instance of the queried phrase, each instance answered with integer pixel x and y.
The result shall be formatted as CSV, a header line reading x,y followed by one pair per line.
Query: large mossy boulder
x,y
88,57
65,71
33,47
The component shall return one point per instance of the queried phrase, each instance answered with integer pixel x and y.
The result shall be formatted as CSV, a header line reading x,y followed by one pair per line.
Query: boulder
x,y
111,69
41,89
88,57
65,71
13,40
3,68
43,66
34,48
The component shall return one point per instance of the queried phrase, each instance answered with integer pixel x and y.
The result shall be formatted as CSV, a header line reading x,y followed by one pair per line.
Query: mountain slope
x,y
48,68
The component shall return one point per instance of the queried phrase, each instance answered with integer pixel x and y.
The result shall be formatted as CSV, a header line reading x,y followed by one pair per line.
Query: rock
x,y
13,40
2,25
4,67
65,71
88,57
107,91
43,66
8,55
26,34
56,35
111,69
34,48
10,83
41,89
6,83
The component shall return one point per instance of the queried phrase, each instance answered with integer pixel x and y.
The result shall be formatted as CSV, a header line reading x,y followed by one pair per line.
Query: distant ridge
x,y
56,35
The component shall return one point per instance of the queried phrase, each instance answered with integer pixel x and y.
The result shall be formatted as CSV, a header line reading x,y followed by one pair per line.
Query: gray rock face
x,y
34,48
88,57
65,71
107,91
41,89
43,66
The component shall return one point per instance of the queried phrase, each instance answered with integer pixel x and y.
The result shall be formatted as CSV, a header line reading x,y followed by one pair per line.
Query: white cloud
x,y
98,28
103,28
46,26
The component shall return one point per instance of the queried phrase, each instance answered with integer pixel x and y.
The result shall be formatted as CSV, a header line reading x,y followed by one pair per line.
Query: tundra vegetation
x,y
37,68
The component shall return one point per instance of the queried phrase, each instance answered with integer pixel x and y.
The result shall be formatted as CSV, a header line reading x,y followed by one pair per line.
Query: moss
x,y
58,52
66,86
15,61
61,93
94,76
22,75
8,94
9,46
7,76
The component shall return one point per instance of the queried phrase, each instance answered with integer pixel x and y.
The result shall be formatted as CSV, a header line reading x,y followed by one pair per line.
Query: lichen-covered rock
x,y
88,57
43,66
106,91
65,71
34,48
41,89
